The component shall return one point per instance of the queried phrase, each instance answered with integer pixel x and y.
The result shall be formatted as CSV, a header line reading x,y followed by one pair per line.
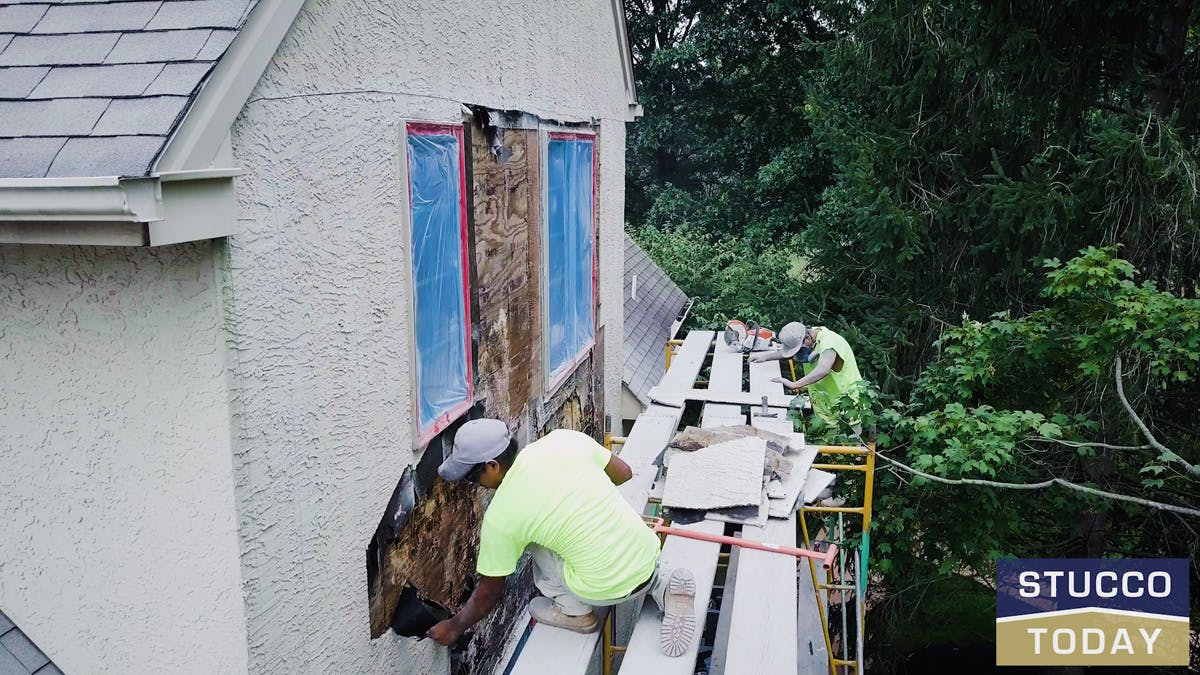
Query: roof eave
x,y
196,140
634,108
163,208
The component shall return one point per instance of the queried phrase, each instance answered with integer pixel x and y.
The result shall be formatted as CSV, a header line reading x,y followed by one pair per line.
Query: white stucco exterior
x,y
319,308
118,540
201,438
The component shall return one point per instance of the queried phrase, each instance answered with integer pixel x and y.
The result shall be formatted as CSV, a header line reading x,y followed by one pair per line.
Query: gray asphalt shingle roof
x,y
96,87
648,318
18,654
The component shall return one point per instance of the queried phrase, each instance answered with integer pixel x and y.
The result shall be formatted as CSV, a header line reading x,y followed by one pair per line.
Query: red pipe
x,y
826,558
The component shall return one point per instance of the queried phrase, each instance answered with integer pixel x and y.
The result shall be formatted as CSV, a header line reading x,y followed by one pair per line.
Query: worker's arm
x,y
769,355
617,470
824,367
482,601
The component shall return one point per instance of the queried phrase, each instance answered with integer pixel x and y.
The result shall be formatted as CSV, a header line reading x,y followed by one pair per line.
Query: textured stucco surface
x,y
118,544
317,285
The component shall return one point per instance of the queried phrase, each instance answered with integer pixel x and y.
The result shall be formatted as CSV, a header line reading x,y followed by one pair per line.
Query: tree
x,y
972,140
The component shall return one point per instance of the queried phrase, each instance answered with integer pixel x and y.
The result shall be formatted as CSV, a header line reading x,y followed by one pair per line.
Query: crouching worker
x,y
557,498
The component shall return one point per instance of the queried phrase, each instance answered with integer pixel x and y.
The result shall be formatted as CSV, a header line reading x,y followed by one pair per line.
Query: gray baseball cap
x,y
476,441
792,336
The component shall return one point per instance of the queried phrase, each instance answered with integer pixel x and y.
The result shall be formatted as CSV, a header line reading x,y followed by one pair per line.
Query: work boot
x,y
544,610
679,613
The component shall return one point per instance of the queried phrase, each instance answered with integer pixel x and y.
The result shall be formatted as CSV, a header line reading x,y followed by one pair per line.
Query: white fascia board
x,y
199,137
634,108
159,209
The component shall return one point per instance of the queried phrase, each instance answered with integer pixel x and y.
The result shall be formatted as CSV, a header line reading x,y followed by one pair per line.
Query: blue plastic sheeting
x,y
437,250
570,184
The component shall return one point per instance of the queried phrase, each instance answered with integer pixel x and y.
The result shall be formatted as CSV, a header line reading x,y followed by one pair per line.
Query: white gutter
x,y
163,208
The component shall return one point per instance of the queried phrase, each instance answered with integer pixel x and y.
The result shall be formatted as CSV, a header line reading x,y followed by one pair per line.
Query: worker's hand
x,y
757,357
444,633
785,382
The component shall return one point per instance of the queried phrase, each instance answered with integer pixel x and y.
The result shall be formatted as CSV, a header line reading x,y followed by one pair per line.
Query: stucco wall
x,y
317,284
118,543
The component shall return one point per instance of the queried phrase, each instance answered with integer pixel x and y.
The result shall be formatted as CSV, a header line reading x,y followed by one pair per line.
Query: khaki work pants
x,y
549,578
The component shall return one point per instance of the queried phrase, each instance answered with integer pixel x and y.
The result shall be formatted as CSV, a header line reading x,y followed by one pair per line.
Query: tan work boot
x,y
544,610
679,613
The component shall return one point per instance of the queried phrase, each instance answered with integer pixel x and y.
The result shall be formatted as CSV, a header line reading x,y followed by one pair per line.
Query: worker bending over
x,y
829,366
558,499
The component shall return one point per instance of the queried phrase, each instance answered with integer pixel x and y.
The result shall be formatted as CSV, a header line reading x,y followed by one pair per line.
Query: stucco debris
x,y
718,476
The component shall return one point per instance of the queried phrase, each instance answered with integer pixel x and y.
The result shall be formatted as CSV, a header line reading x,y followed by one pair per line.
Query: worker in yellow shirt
x,y
830,369
557,498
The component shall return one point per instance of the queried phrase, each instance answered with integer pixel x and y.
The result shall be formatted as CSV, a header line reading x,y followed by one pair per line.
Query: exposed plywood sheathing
x,y
436,553
506,186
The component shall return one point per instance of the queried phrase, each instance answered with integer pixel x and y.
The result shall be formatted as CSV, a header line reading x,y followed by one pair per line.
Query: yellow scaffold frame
x,y
868,468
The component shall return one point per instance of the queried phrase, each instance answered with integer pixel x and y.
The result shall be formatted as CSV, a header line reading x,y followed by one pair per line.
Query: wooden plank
x,y
721,415
760,378
507,214
778,425
726,372
762,636
643,654
812,655
675,398
554,650
721,637
512,643
686,363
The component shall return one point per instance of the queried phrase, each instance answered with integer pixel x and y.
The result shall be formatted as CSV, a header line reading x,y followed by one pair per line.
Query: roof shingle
x,y
179,79
106,156
88,81
133,116
53,50
172,45
21,18
648,319
18,654
28,157
99,17
18,82
194,13
51,117
96,87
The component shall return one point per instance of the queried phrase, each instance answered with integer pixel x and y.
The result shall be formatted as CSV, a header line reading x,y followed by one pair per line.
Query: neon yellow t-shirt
x,y
829,389
557,495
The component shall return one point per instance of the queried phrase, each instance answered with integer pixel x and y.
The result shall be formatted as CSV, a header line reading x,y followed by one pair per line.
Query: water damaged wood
x,y
507,226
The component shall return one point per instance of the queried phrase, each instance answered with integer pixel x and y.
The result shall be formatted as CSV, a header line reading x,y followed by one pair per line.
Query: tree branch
x,y
1166,453
1088,444
1044,484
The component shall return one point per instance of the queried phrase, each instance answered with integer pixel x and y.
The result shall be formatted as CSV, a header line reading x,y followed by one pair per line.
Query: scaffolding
x,y
850,594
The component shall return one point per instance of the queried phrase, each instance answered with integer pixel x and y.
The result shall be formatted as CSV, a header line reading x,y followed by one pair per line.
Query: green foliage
x,y
724,144
911,174
1018,400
